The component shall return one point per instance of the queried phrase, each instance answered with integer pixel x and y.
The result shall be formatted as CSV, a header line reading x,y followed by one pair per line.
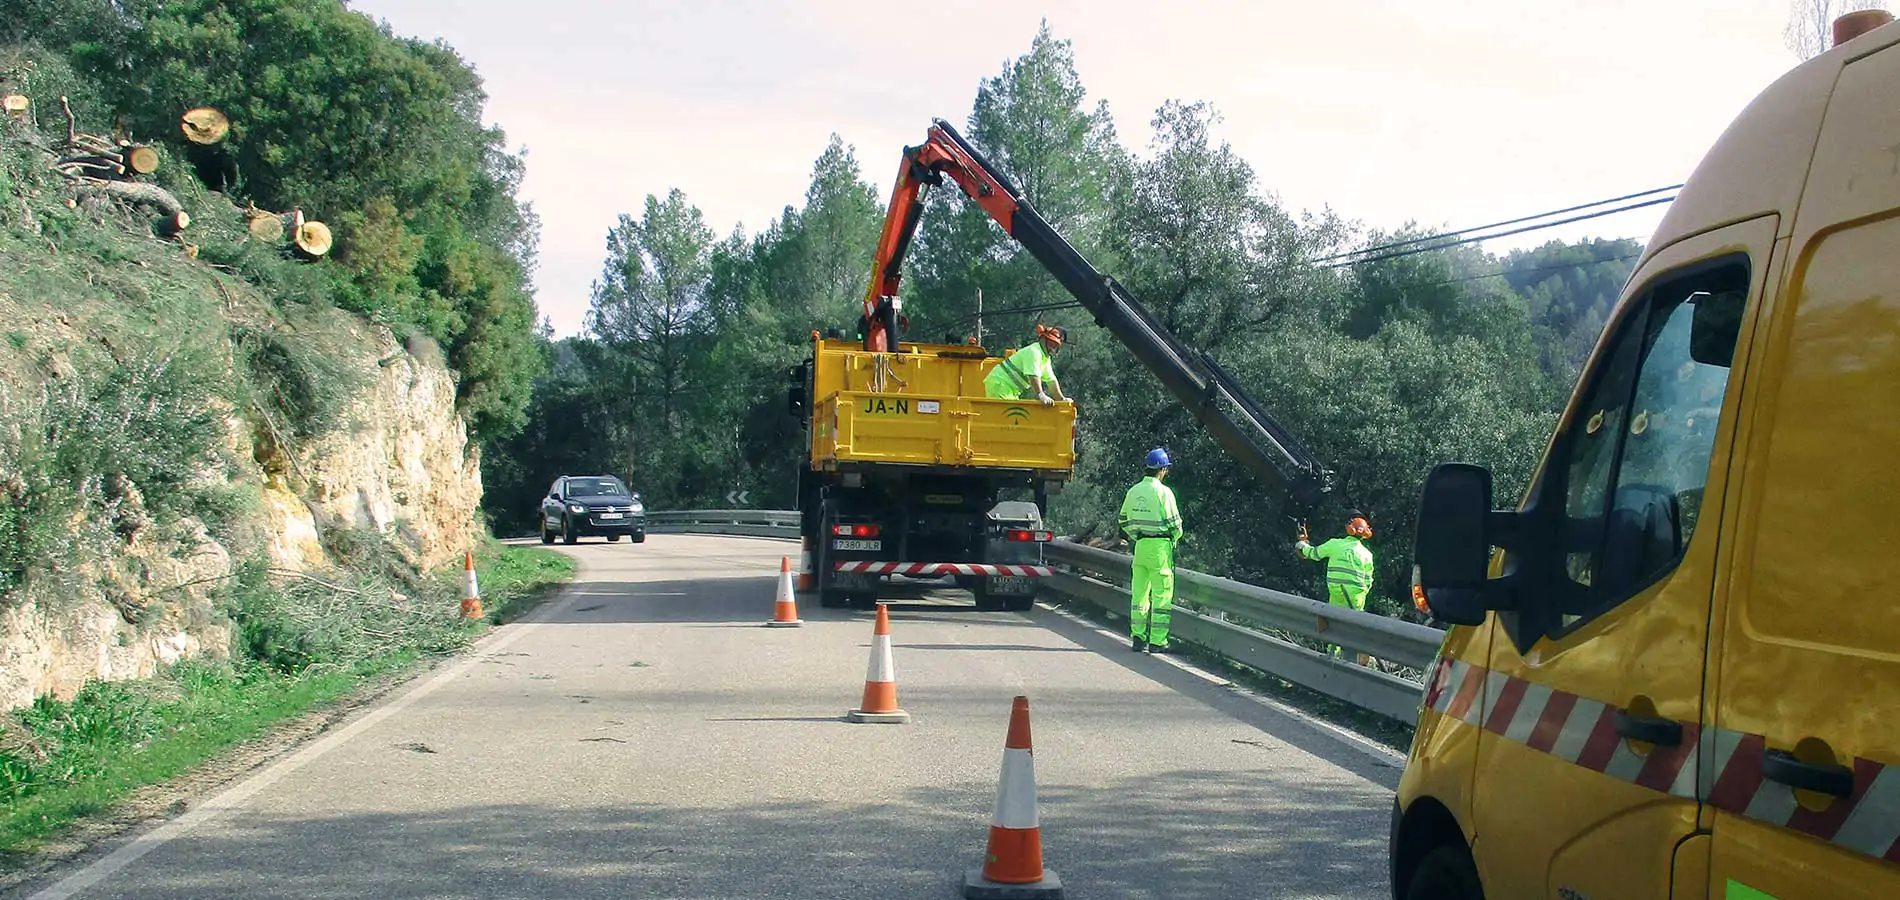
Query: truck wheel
x,y
864,599
547,537
640,538
567,531
1446,873
984,601
834,599
1021,604
613,539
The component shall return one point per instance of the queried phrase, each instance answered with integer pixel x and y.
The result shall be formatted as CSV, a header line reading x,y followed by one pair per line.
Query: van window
x,y
1636,461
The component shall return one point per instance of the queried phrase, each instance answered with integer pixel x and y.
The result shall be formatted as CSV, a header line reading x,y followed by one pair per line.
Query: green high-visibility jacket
x,y
1010,379
1348,569
1151,520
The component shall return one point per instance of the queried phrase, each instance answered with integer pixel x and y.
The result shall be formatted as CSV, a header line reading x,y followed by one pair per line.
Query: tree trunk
x,y
136,192
265,227
312,239
205,125
172,225
141,159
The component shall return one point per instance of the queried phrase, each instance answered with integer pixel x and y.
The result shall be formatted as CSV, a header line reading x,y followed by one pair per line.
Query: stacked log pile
x,y
113,166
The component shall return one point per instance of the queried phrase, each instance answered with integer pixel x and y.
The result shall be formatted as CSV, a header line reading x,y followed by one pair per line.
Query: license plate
x,y
609,515
1012,584
857,545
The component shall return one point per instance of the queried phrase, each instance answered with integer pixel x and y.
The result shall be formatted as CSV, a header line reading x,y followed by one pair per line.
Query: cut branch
x,y
17,105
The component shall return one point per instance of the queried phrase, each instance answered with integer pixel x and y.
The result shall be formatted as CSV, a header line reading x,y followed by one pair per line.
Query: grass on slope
x,y
61,761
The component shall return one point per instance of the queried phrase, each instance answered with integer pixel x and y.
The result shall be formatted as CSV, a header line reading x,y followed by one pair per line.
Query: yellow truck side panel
x,y
926,406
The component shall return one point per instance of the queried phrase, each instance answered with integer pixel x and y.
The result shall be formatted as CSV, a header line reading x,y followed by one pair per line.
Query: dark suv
x,y
579,505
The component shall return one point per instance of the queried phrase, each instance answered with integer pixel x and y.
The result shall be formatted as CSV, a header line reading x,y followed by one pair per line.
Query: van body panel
x,y
1609,810
1810,663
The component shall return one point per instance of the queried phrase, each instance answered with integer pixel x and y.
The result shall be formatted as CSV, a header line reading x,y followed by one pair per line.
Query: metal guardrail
x,y
771,523
1229,617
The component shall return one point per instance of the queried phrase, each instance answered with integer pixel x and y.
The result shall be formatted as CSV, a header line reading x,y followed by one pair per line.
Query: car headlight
x,y
636,507
576,508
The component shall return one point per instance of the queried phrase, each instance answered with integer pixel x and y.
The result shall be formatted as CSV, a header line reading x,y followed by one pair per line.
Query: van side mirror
x,y
1452,548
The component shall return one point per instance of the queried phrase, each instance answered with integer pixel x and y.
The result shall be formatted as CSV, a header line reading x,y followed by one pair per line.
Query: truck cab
x,y
1674,666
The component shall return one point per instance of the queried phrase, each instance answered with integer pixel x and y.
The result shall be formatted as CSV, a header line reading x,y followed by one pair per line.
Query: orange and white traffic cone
x,y
880,679
471,593
1012,867
785,610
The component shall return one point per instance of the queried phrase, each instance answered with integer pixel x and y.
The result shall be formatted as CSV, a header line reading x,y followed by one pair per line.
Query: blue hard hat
x,y
1158,459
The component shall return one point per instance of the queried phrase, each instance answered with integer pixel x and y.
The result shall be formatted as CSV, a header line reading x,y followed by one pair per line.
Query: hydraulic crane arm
x,y
1241,426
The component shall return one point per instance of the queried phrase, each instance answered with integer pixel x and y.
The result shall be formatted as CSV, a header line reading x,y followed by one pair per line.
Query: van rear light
x,y
1037,536
863,531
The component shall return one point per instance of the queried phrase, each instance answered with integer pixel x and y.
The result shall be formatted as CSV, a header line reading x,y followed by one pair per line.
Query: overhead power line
x,y
1472,240
1072,304
1516,221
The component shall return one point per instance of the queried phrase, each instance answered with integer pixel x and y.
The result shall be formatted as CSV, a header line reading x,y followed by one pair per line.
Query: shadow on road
x,y
1169,834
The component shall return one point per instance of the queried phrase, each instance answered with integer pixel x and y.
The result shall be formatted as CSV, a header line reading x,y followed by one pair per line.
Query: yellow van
x,y
1674,668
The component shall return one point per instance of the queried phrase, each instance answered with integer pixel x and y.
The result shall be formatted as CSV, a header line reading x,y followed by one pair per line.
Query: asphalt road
x,y
643,736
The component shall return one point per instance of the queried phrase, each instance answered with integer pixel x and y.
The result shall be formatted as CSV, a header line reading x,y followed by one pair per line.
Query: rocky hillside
x,y
190,441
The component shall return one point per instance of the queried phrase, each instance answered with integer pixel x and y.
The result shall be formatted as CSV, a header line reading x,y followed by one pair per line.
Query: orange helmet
x,y
1054,334
1357,526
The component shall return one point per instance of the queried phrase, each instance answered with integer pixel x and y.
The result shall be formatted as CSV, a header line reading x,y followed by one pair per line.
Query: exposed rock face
x,y
401,465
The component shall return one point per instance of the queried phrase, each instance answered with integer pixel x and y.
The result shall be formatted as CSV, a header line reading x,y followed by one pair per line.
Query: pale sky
x,y
1452,113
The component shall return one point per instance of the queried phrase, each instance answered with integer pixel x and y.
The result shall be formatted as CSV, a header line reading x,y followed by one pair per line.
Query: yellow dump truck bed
x,y
925,405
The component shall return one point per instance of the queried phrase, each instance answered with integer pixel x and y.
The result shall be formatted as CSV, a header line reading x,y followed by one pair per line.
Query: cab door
x,y
1593,706
1806,799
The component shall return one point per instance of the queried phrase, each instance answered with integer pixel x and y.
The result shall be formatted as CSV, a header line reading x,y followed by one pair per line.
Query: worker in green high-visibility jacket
x,y
1348,564
1030,373
1150,519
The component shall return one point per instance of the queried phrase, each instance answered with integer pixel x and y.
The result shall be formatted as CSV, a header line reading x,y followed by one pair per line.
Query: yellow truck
x,y
1674,666
913,471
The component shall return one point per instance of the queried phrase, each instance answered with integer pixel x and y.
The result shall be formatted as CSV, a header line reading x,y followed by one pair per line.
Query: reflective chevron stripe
x,y
866,567
1582,731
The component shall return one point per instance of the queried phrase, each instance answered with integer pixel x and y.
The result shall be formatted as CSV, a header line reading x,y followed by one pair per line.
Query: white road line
x,y
111,863
1379,753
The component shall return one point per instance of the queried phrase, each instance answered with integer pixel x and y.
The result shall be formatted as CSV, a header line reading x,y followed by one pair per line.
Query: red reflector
x,y
864,531
1028,535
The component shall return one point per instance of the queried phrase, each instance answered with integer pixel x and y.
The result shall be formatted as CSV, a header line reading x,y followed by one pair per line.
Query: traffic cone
x,y
785,611
471,593
1012,867
880,680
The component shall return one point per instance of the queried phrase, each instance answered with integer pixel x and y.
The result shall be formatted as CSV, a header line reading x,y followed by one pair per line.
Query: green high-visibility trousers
x,y
1151,603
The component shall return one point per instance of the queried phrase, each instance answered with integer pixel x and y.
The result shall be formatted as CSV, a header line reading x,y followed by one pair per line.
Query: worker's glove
x,y
1045,398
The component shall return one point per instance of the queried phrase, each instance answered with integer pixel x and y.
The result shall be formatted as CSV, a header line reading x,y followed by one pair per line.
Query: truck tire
x,y
834,599
613,539
1021,604
1446,873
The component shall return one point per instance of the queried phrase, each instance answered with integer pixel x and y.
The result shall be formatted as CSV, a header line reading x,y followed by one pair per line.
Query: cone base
x,y
894,717
976,887
777,623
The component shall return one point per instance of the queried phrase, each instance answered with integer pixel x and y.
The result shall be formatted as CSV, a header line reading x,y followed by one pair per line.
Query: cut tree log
x,y
172,225
312,239
17,105
205,125
141,159
265,227
135,192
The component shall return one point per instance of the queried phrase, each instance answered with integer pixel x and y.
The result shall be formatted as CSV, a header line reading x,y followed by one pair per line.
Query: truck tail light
x,y
863,531
1037,536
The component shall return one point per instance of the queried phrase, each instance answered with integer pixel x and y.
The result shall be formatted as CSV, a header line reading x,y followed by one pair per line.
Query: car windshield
x,y
595,487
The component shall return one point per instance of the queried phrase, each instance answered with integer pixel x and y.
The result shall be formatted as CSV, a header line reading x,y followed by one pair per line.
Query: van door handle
x,y
1785,767
1648,729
